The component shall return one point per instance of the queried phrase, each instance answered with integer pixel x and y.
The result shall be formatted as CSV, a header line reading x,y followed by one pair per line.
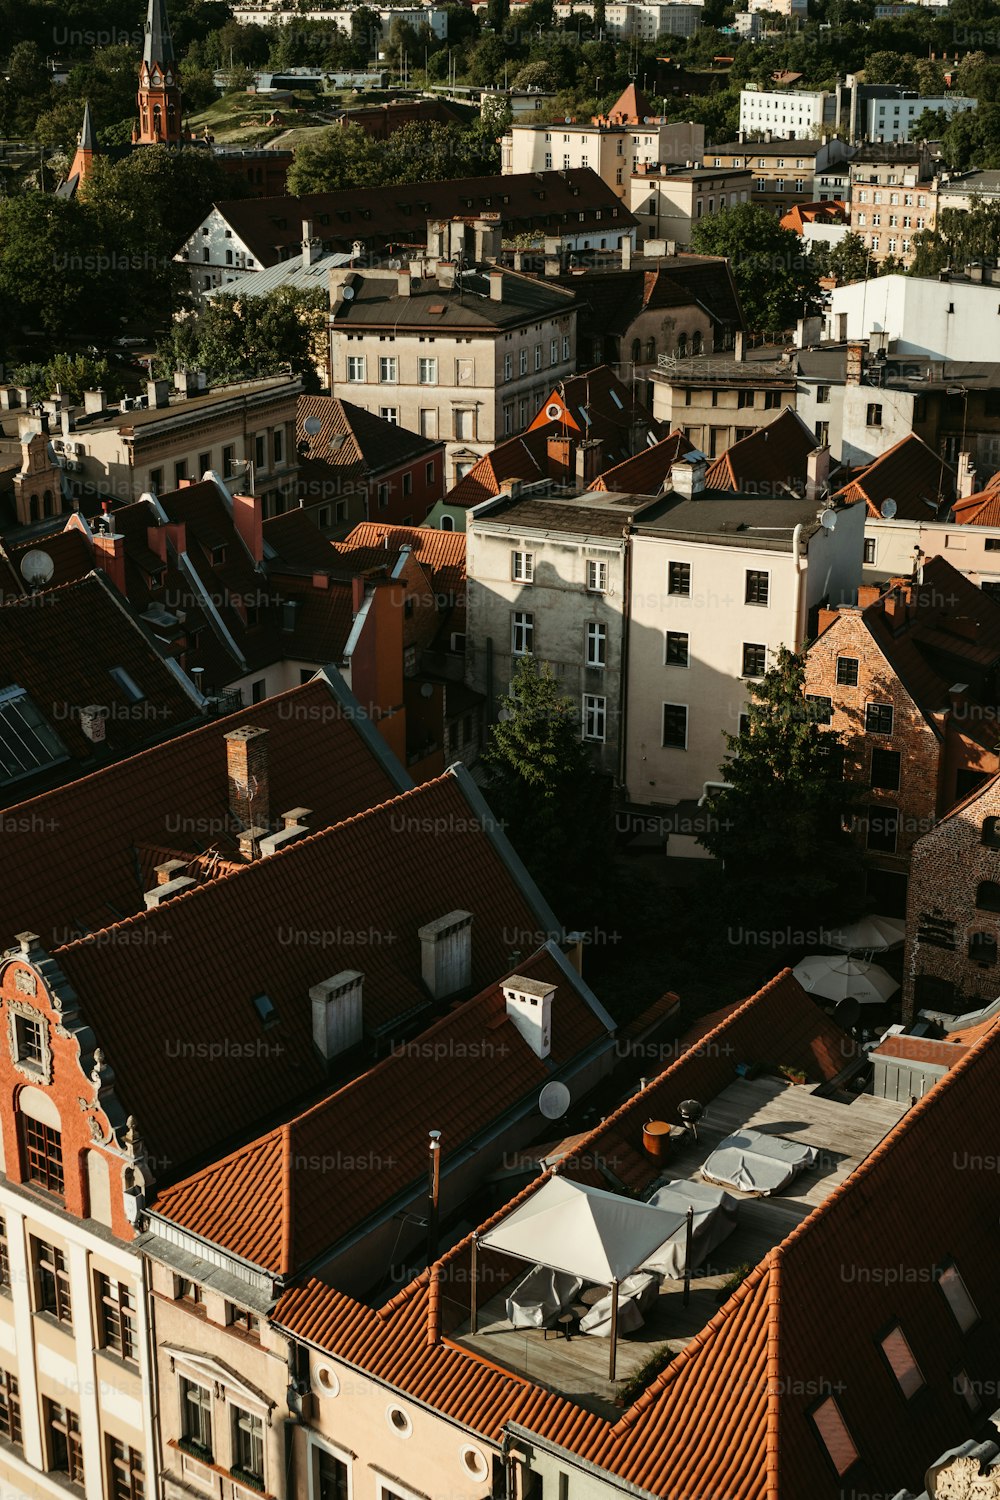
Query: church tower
x,y
159,88
83,160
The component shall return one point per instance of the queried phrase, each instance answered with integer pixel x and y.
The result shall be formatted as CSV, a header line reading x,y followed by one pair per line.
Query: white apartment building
x,y
892,119
466,356
669,202
791,114
719,582
641,21
434,16
614,152
779,7
920,315
894,548
546,578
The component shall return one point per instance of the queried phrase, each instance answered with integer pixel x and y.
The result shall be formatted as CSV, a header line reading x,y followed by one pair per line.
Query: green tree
x,y
889,67
535,75
847,260
775,278
240,338
341,157
50,277
28,85
73,373
543,786
778,826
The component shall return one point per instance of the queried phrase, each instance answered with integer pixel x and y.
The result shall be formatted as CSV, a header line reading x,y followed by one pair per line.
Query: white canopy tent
x,y
586,1232
873,934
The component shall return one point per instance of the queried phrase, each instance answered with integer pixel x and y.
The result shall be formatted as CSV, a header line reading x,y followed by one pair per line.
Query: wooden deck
x,y
843,1133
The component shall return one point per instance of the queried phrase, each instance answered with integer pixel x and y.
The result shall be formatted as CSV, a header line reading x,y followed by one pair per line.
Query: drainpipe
x,y
623,686
150,1352
796,557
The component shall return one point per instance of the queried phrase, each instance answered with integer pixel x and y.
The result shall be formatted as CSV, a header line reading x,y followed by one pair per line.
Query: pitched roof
x,y
83,873
468,303
76,647
910,473
631,107
440,553
290,1196
524,457
646,472
381,217
982,508
768,461
730,1414
294,540
157,46
348,437
318,907
597,404
611,298
71,553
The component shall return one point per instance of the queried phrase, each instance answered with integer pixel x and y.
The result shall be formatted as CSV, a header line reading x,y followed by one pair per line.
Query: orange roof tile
x,y
648,471
441,553
981,509
921,1049
910,473
767,460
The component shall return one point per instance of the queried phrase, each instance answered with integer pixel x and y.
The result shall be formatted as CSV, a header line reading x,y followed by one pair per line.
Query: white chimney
x,y
403,281
308,247
337,1012
446,954
687,477
496,286
966,476
169,882
817,472
293,826
529,1005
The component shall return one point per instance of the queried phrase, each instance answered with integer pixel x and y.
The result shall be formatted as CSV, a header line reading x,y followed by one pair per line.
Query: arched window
x,y
650,351
47,503
991,833
682,345
636,351
41,1140
447,523
988,896
33,508
157,121
696,342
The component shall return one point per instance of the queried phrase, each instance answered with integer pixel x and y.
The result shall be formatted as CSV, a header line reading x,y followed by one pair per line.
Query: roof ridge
x,y
286,1261
773,1369
242,871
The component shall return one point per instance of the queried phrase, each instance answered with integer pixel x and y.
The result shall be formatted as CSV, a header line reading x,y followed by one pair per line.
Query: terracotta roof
x,y
920,1049
292,1195
801,214
524,457
648,471
730,1414
598,404
297,541
350,437
910,473
631,107
440,553
83,872
981,509
71,553
318,907
770,458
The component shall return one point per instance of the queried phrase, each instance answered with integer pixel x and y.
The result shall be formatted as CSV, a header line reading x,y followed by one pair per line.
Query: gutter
x,y
797,564
623,682
564,1456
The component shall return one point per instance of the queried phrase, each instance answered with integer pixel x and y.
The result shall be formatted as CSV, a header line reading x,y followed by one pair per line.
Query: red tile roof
x,y
201,1070
352,438
70,550
298,542
597,404
648,471
729,1416
287,1198
73,848
981,509
910,473
440,553
921,1049
767,460
524,457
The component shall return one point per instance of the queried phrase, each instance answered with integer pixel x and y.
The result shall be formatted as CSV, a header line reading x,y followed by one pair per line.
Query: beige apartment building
x,y
155,442
613,150
783,172
669,201
462,355
718,399
893,197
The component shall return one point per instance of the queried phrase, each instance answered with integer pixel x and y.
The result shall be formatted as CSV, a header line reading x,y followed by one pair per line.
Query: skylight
x,y
128,685
616,399
584,415
27,742
267,1010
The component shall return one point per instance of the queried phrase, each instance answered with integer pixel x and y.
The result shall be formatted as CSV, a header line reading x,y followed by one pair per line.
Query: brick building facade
x,y
953,909
907,679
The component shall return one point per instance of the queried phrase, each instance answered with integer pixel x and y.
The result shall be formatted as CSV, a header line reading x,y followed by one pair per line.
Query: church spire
x,y
86,141
157,46
159,88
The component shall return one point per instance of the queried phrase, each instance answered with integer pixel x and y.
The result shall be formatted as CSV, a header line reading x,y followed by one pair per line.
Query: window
x,y
156,479
597,577
822,395
356,367
675,726
10,1408
594,717
387,369
758,587
522,567
428,372
744,399
679,579
833,1434
522,633
847,671
43,1160
383,495
389,414
508,366
899,1357
522,362
408,482
983,949
754,660
873,415
553,351
278,445
65,1446
822,710
988,896
330,1476
878,718
885,770
772,400
990,833
186,1291
883,825
116,1314
677,649
248,1447
228,460
869,549
597,645
29,1042
957,1294
125,1475
51,1282
196,1416
565,346
538,356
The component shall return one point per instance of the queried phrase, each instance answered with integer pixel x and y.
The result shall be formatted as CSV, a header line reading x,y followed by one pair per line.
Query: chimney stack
x,y
588,461
855,363
740,347
248,518
446,954
308,243
247,773
626,252
496,286
817,472
687,477
403,281
94,402
559,454
966,476
529,1006
337,1013
158,393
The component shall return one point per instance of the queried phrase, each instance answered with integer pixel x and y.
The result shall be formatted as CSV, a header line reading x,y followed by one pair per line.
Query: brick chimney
x,y
559,457
855,363
247,774
109,555
817,472
248,518
588,459
867,594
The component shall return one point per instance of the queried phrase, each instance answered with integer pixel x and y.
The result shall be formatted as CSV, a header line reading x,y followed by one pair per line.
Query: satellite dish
x,y
567,119
347,292
888,509
313,425
846,1013
828,520
554,1100
37,567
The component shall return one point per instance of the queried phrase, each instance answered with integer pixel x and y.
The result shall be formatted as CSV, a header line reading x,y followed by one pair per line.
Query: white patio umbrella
x,y
868,935
836,978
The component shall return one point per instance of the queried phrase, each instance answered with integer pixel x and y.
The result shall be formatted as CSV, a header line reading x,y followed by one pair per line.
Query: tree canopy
x,y
777,281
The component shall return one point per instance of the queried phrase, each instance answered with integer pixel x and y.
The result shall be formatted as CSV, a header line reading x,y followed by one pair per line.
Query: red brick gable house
x,y
907,678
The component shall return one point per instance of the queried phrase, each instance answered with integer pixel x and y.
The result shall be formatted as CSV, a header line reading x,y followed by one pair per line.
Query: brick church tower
x,y
159,88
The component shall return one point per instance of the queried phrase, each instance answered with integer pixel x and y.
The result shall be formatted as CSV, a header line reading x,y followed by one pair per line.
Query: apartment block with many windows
x,y
546,578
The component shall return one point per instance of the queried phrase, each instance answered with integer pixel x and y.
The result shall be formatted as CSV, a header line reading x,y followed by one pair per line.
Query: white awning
x,y
584,1231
